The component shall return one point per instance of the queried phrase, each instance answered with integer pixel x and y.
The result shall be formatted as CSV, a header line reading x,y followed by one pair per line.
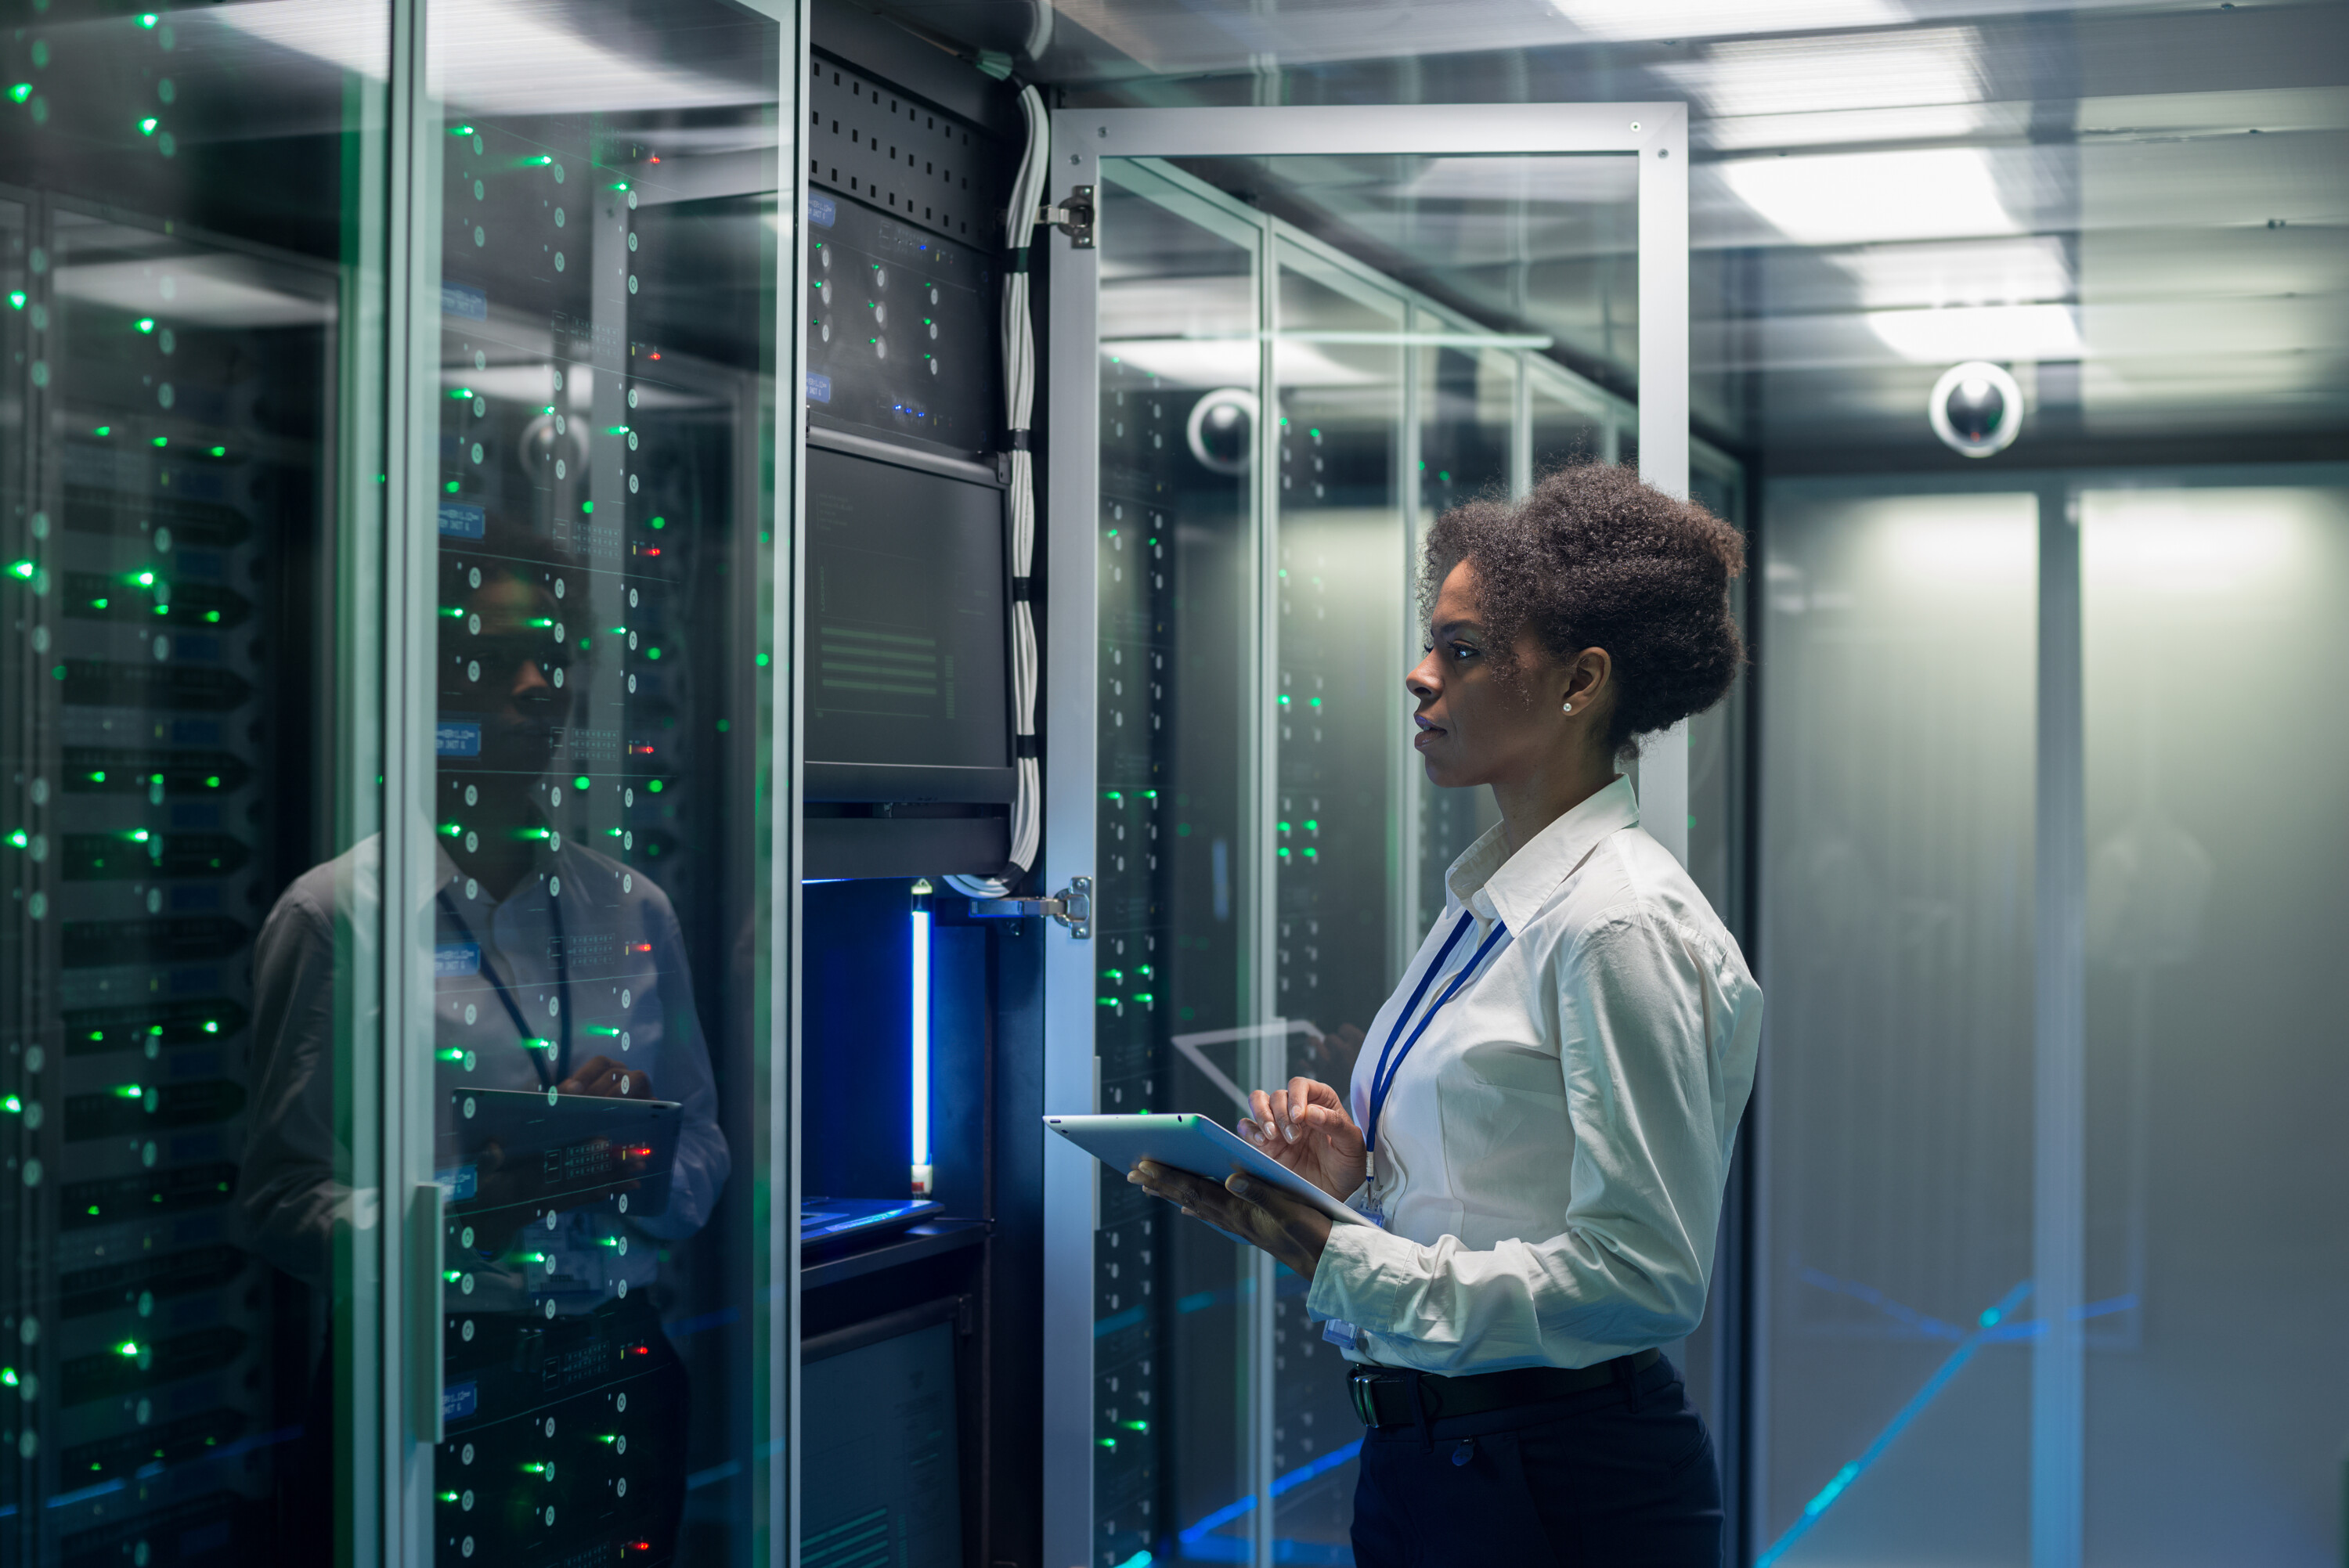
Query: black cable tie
x,y
1020,590
1023,747
1016,441
1015,260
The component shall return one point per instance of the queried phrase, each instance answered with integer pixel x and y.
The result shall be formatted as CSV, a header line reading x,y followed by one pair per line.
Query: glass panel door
x,y
1341,570
592,882
1176,918
1255,380
188,267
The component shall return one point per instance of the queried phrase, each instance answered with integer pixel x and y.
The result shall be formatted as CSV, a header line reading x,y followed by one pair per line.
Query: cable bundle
x,y
1020,500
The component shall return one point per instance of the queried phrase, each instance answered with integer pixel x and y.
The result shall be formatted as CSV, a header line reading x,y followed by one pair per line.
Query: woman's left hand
x,y
1292,1230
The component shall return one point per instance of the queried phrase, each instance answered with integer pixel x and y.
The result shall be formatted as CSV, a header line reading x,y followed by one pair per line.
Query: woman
x,y
1540,1119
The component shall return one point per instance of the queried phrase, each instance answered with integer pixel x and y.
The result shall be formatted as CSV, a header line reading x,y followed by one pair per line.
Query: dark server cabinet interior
x,y
921,1026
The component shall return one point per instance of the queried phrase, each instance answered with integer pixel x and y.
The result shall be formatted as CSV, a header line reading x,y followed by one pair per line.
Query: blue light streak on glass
x,y
1814,1510
1195,1536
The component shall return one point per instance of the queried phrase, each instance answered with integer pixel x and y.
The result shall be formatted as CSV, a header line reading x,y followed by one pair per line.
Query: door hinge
x,y
1073,907
1073,217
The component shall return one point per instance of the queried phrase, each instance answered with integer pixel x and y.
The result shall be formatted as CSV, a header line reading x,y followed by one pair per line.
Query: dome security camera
x,y
1221,432
1976,408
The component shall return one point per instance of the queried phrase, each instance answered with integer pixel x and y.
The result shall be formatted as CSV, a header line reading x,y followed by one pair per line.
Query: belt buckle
x,y
1360,1381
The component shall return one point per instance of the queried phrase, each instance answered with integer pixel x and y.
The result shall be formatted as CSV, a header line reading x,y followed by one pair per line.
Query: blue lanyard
x,y
505,993
1383,1077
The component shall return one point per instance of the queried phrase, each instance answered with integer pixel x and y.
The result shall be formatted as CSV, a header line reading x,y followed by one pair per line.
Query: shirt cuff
x,y
1361,1277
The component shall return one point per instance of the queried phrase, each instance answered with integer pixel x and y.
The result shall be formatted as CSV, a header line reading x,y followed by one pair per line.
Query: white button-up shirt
x,y
1550,1156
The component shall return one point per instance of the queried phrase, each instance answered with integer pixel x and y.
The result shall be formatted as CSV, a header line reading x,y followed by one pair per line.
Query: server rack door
x,y
1176,923
190,292
584,864
1316,392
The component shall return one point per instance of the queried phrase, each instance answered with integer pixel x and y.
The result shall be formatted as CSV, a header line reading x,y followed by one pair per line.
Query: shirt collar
x,y
1512,889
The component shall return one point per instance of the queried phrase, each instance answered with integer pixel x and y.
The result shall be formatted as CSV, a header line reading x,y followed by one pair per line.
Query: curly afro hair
x,y
1594,559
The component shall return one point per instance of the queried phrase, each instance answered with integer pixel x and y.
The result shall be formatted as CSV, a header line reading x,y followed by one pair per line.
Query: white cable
x,y
1020,499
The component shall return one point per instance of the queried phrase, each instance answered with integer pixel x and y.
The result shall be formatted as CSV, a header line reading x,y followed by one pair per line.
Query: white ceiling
x,y
2141,207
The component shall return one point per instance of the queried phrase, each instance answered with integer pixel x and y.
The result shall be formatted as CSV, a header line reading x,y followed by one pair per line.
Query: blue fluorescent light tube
x,y
921,1039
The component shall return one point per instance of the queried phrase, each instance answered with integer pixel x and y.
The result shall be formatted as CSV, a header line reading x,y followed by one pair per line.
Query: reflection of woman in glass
x,y
1540,1120
556,970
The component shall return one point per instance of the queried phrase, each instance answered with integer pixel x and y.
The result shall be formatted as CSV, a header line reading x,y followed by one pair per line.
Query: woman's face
x,y
1473,726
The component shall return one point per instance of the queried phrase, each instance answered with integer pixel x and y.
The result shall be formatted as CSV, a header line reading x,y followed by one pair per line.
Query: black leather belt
x,y
1384,1395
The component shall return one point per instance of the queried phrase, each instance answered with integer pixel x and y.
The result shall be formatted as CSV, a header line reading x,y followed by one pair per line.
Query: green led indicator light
x,y
451,487
18,839
652,652
587,506
660,523
103,431
220,451
162,440
148,19
654,786
580,782
460,130
19,94
128,1347
147,126
22,570
762,661
146,323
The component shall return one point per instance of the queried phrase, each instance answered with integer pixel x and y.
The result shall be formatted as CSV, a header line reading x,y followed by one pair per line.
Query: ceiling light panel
x,y
1927,68
1855,197
1721,18
2031,270
1995,332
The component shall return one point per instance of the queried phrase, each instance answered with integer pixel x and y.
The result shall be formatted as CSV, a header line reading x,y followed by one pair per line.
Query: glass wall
x,y
594,884
1896,1124
2011,1246
191,255
2217,1260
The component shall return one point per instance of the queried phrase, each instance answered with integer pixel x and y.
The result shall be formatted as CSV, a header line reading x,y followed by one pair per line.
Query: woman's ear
x,y
1588,679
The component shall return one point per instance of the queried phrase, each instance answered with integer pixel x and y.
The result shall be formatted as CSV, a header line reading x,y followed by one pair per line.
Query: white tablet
x,y
1192,1144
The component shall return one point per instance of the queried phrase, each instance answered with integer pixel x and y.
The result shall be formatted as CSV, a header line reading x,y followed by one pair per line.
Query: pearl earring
x,y
1566,708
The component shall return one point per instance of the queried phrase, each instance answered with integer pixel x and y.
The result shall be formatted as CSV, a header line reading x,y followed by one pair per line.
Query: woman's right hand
x,y
1307,1128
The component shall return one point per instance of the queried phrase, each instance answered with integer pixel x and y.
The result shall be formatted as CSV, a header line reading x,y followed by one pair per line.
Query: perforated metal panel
x,y
904,156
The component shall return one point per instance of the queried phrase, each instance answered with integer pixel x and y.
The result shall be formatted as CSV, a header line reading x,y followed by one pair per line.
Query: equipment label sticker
x,y
459,1400
818,387
459,520
453,960
822,212
456,299
456,738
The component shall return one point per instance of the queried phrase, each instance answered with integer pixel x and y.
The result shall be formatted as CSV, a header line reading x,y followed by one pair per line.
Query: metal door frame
x,y
1657,134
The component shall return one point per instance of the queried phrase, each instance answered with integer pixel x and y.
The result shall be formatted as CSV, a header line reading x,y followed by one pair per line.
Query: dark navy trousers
x,y
1621,1477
